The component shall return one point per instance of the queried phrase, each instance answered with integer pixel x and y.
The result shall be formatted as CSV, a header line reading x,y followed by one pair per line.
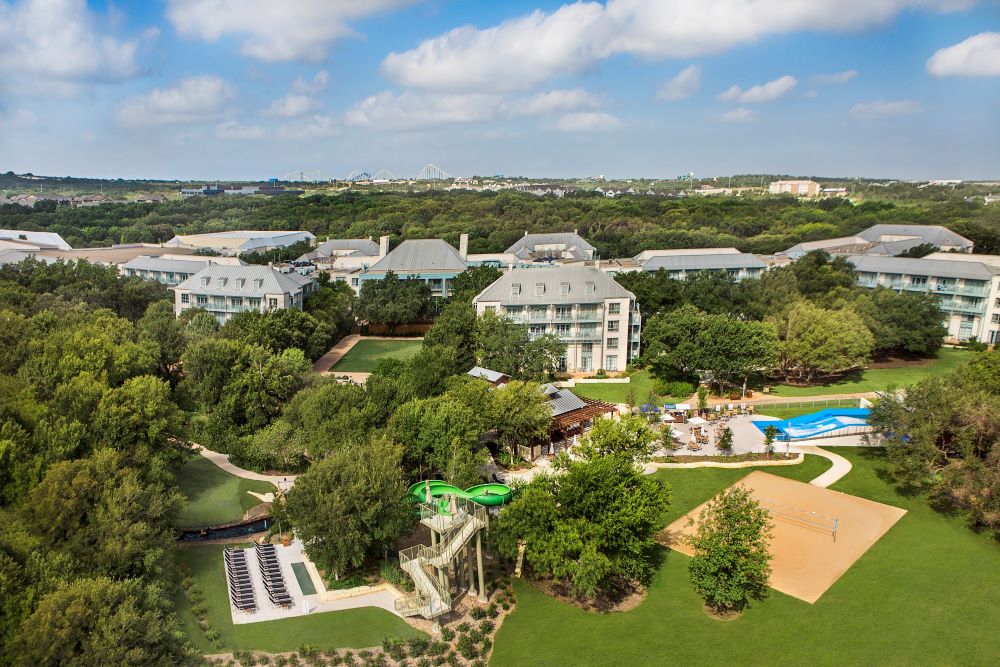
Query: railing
x,y
962,307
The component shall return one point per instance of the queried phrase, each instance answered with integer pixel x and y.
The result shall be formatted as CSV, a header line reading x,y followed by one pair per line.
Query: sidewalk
x,y
222,460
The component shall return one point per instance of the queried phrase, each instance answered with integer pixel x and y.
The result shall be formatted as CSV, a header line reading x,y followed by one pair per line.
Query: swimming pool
x,y
825,423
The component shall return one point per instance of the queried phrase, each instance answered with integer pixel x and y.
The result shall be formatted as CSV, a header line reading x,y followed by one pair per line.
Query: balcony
x,y
959,307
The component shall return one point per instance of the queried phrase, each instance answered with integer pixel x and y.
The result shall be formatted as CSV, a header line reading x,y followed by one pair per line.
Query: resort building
x,y
37,240
170,269
597,318
795,188
560,246
736,264
433,261
116,254
885,241
967,287
226,290
343,259
238,242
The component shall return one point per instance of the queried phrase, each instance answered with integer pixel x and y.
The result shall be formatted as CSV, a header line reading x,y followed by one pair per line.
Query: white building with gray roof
x,y
42,240
554,247
171,270
967,287
737,265
238,242
226,290
886,240
433,261
597,318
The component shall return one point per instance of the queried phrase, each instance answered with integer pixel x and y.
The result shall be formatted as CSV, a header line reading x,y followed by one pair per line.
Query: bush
x,y
464,627
486,627
447,634
417,646
675,388
389,571
492,610
435,649
394,647
487,645
467,647
478,613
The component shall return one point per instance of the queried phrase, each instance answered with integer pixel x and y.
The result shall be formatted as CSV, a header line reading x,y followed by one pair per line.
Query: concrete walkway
x,y
840,467
222,460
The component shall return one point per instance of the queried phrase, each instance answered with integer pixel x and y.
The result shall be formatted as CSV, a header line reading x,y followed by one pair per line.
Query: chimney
x,y
383,246
463,246
525,232
597,263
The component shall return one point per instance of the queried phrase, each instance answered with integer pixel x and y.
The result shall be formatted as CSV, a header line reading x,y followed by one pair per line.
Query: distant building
x,y
552,247
203,191
967,287
433,261
212,191
795,188
116,254
238,242
738,265
171,270
31,199
495,378
40,240
597,318
226,290
991,199
886,240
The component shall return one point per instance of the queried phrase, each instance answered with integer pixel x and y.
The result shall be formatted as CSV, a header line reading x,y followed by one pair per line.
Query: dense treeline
x,y
619,227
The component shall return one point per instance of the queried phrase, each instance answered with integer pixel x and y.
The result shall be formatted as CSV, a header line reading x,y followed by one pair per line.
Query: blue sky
x,y
249,89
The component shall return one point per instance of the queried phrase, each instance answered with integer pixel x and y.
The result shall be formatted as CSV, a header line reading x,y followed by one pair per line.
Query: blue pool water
x,y
816,424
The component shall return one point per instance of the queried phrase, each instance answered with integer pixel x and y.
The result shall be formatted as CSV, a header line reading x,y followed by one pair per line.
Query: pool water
x,y
816,424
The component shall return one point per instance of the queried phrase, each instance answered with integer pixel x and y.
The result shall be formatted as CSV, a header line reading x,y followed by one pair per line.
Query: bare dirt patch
x,y
626,600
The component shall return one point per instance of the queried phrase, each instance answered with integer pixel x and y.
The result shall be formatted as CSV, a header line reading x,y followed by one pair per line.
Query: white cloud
x,y
979,55
836,78
17,120
409,110
237,131
765,92
292,105
588,121
885,109
196,99
314,127
552,101
61,40
274,31
311,86
522,52
682,86
741,115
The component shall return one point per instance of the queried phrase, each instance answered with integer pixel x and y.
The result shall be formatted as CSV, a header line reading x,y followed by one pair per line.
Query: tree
x,y
101,621
198,324
520,415
472,281
726,442
670,347
628,435
505,346
455,328
351,506
817,341
280,330
731,562
138,418
732,349
392,301
817,273
208,365
901,322
769,435
259,386
160,326
702,397
591,527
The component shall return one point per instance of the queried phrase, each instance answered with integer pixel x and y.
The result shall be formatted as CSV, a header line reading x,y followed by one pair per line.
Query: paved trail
x,y
222,460
840,467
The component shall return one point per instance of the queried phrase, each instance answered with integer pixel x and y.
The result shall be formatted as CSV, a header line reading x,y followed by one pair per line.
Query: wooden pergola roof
x,y
594,408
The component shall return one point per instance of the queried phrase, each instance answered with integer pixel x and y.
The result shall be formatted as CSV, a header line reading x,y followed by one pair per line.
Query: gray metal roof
x,y
486,374
573,243
703,262
419,256
273,282
922,267
562,401
191,266
41,239
935,234
330,247
552,279
11,256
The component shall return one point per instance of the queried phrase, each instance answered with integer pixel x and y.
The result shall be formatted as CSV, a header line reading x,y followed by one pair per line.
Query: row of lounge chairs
x,y
270,570
240,586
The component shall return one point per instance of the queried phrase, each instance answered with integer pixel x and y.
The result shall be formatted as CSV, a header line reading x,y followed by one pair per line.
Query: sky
x,y
253,89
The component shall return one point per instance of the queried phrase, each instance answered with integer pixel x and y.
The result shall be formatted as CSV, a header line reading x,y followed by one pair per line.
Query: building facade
x,y
597,318
226,290
432,261
237,242
795,188
737,266
171,270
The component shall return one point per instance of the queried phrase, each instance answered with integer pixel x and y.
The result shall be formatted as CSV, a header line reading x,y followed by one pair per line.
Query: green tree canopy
x,y
392,301
817,341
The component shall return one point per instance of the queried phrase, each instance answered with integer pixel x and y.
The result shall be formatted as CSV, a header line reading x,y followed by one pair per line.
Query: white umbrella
x,y
697,420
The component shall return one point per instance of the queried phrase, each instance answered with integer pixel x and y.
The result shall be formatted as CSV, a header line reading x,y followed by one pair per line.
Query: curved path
x,y
222,460
840,467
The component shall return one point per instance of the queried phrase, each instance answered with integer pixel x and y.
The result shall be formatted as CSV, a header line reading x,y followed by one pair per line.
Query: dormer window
x,y
515,289
539,289
241,282
221,282
258,283
564,289
205,281
590,288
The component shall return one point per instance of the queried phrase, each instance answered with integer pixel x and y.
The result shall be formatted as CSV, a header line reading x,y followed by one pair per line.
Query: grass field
x,y
641,385
787,411
877,379
353,628
925,594
366,353
214,496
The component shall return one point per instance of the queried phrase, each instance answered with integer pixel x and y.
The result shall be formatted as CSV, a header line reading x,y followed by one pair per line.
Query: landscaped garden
x,y
899,602
363,357
214,496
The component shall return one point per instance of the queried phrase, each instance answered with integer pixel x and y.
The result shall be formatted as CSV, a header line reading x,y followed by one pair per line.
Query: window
x,y
614,308
201,299
564,288
918,281
258,283
539,312
515,311
564,312
354,282
612,343
205,280
539,289
491,309
613,326
536,330
221,282
995,319
254,303
515,289
186,298
586,313
272,302
240,282
562,329
589,288
236,301
588,331
611,362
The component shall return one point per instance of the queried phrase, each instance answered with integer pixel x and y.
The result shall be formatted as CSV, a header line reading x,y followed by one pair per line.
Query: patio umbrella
x,y
697,420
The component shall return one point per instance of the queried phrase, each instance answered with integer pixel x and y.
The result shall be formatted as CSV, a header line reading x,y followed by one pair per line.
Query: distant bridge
x,y
431,172
310,176
359,175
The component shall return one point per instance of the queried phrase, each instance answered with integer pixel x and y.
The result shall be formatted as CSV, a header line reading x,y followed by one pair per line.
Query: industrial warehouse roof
x,y
703,262
41,239
553,285
922,267
242,281
421,256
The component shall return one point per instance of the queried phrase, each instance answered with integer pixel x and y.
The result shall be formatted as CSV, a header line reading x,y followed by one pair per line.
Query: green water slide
x,y
490,495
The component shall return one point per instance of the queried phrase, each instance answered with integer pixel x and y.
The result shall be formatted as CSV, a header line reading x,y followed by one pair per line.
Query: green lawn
x,y
641,385
787,412
353,628
214,496
366,353
877,379
925,594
